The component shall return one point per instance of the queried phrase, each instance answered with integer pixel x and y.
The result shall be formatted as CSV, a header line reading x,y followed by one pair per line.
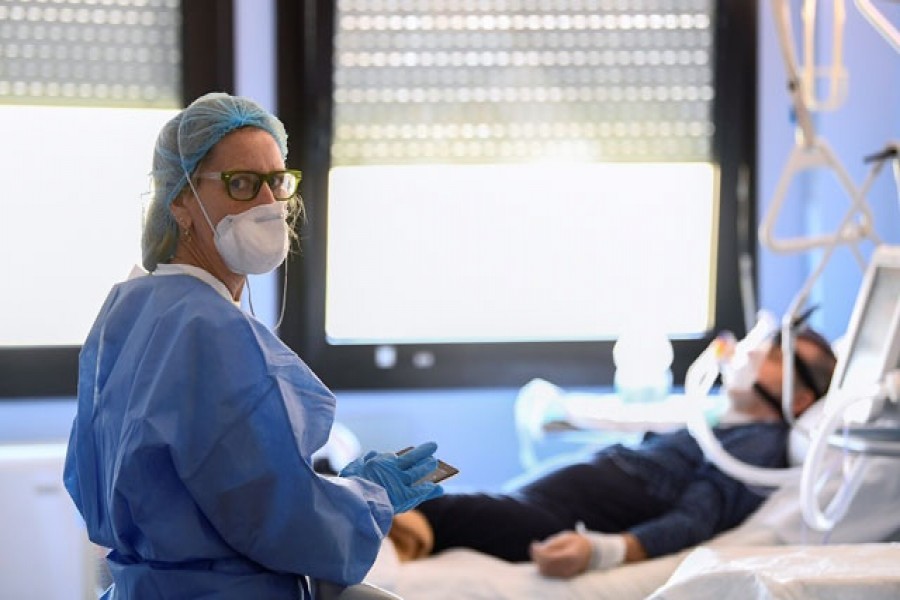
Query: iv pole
x,y
811,151
879,22
855,227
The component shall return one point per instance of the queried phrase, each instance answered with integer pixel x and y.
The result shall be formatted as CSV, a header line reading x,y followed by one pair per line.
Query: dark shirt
x,y
704,501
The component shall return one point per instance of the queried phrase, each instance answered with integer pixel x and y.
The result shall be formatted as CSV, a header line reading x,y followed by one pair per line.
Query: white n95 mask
x,y
255,241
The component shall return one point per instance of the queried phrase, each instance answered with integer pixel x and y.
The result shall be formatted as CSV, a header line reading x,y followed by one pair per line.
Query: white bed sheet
x,y
466,574
791,572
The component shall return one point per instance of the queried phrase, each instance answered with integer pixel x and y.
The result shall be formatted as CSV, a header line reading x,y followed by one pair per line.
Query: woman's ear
x,y
180,213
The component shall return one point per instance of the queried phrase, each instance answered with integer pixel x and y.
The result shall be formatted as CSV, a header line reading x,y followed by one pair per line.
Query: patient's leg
x,y
597,493
500,525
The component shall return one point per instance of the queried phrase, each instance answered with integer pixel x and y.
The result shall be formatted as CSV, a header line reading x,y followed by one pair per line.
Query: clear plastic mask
x,y
740,361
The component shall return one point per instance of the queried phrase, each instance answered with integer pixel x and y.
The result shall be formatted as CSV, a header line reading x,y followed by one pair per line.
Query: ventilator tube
x,y
698,381
811,482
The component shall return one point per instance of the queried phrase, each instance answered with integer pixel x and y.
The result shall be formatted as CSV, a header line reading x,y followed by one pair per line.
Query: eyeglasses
x,y
245,185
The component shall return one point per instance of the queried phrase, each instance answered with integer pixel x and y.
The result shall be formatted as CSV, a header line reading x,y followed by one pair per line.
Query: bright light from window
x,y
528,252
75,180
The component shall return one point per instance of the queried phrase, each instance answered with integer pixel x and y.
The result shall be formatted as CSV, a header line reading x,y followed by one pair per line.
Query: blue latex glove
x,y
398,475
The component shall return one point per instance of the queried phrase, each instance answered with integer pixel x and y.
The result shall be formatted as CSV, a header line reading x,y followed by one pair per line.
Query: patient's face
x,y
749,402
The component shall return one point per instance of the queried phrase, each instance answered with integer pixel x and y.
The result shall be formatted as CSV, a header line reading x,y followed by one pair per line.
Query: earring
x,y
185,233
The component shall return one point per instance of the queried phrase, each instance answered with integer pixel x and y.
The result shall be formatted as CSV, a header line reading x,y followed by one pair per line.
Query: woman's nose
x,y
265,194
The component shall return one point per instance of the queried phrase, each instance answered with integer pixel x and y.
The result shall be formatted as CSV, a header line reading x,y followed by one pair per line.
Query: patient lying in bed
x,y
463,573
623,504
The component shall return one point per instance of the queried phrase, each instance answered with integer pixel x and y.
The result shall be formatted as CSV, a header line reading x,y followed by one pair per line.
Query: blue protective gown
x,y
190,454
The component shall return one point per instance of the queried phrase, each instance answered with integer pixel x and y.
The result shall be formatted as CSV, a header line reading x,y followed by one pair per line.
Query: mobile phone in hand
x,y
443,471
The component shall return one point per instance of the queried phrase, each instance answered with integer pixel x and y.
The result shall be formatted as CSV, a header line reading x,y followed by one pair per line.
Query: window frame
x,y
207,65
304,104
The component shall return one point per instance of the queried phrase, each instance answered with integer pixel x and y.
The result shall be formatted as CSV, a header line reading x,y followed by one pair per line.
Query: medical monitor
x,y
873,340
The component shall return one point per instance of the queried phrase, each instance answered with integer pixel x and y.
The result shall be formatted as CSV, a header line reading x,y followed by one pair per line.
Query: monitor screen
x,y
874,336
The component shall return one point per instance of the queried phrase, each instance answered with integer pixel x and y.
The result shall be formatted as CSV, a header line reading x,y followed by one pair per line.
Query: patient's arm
x,y
565,554
634,550
569,553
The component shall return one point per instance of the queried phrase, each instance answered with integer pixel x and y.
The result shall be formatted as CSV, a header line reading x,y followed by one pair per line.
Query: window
x,y
497,189
84,89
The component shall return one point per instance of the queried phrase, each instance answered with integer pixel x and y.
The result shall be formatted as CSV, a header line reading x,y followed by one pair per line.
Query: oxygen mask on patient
x,y
740,361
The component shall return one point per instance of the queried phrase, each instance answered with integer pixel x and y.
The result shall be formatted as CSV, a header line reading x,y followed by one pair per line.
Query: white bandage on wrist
x,y
607,550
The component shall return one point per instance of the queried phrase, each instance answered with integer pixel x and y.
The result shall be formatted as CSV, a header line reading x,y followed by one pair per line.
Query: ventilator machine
x,y
859,417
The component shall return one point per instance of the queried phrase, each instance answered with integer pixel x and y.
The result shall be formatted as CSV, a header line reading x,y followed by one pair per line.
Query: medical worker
x,y
630,503
190,456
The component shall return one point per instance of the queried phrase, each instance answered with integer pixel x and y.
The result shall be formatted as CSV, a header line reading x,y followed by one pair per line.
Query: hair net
x,y
181,145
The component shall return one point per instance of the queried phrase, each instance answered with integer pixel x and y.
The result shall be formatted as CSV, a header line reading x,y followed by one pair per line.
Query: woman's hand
x,y
400,476
564,554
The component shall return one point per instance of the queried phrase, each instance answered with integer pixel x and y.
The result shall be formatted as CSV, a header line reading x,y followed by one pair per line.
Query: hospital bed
x,y
777,526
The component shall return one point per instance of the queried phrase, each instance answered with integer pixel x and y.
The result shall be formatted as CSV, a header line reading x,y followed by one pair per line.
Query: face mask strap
x,y
202,208
806,377
804,372
768,397
283,297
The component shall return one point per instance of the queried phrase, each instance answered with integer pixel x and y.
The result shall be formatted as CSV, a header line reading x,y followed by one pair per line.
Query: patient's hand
x,y
565,554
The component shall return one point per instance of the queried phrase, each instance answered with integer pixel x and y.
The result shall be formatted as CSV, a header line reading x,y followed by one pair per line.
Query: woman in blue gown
x,y
190,456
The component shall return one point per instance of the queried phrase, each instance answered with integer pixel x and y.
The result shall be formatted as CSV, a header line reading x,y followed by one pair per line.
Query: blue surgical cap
x,y
182,143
